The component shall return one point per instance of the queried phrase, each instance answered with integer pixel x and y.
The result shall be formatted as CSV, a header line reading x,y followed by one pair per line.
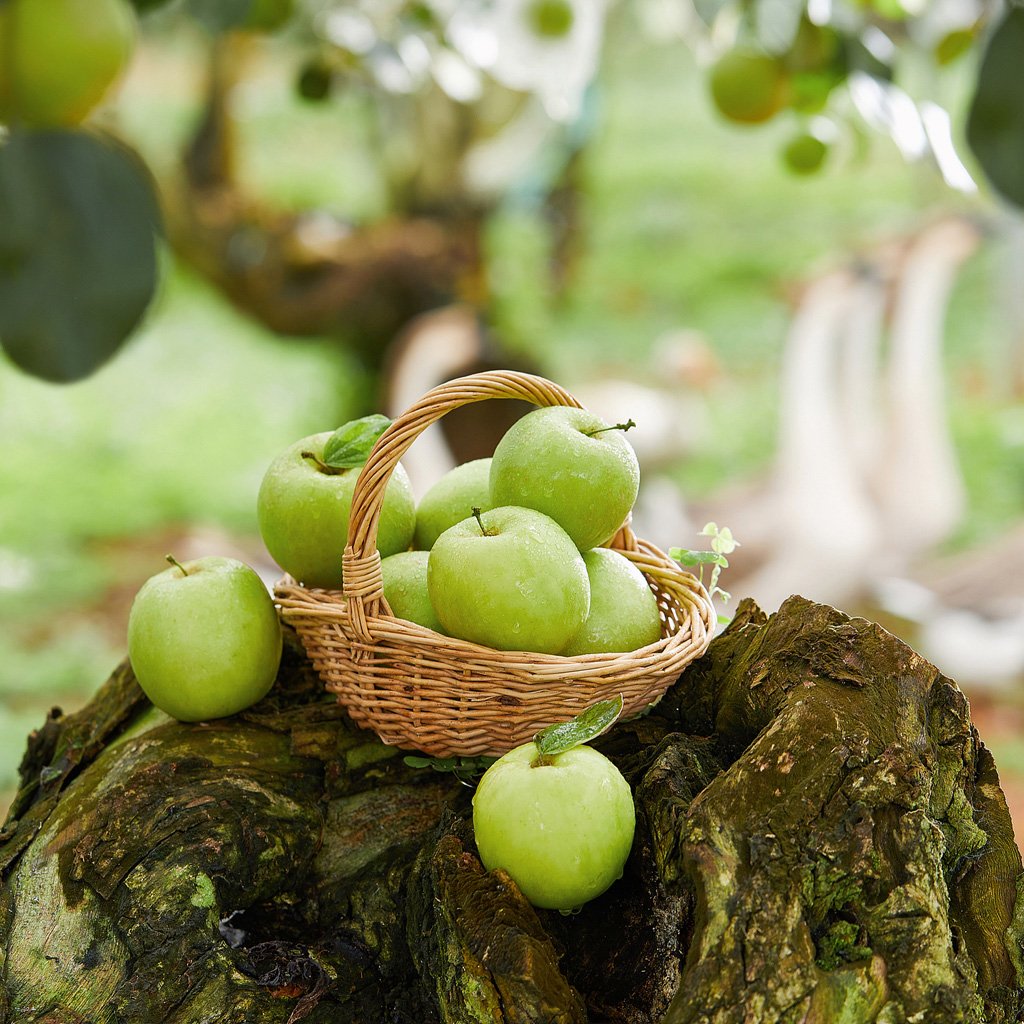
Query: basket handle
x,y
363,584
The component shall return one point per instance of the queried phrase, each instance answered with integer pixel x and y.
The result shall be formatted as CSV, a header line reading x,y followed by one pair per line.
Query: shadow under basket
x,y
427,692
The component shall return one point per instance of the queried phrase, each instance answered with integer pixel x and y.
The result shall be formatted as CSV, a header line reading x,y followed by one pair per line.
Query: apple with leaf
x,y
304,502
556,814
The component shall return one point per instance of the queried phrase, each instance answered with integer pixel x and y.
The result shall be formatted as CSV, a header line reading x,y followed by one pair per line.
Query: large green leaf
x,y
995,126
78,224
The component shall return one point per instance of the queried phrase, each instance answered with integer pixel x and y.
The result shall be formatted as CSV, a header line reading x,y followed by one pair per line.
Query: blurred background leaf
x,y
995,126
77,250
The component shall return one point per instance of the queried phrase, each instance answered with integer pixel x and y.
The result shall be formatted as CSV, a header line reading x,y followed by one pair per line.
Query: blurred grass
x,y
689,223
178,429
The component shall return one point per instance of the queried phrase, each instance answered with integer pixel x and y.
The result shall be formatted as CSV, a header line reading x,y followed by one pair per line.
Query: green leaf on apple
x,y
586,726
350,445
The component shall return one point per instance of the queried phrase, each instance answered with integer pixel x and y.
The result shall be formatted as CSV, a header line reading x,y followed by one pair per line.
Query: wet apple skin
x,y
563,831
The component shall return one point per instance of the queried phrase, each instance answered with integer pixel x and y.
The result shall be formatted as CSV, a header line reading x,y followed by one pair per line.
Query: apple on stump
x,y
204,638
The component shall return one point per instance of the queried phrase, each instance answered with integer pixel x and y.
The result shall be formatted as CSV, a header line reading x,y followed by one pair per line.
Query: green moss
x,y
839,946
205,895
368,753
827,887
963,835
851,995
472,999
1015,933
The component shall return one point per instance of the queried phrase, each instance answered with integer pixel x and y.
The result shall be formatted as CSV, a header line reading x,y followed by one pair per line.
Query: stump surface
x,y
821,837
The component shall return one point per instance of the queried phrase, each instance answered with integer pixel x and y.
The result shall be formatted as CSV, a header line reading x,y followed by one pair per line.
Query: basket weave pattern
x,y
424,691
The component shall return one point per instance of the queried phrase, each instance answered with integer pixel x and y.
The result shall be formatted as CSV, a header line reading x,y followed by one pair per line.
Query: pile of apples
x,y
504,552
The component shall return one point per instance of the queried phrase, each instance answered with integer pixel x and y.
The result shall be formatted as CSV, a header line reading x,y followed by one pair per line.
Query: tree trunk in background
x,y
821,838
312,272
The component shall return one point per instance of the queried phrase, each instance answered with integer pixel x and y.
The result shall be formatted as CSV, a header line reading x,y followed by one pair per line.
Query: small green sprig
x,y
465,769
723,544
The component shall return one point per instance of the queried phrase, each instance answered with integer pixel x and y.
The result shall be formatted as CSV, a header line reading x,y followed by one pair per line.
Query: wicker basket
x,y
423,691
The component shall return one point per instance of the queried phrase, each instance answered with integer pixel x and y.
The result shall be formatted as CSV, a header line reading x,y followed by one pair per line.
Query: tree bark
x,y
820,837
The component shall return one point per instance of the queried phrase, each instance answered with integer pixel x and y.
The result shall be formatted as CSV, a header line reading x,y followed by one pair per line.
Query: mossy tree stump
x,y
821,837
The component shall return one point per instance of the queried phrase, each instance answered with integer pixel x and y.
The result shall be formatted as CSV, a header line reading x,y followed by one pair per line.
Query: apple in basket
x,y
405,588
306,494
510,579
451,499
623,609
572,466
556,814
204,638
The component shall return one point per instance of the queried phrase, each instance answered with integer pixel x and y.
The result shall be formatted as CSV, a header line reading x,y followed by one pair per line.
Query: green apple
x,y
805,153
59,57
511,579
405,588
303,506
204,639
451,500
749,86
560,825
623,609
570,465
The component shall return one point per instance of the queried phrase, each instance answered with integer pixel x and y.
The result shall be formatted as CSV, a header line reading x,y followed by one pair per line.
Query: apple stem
x,y
477,513
321,465
177,564
617,426
542,761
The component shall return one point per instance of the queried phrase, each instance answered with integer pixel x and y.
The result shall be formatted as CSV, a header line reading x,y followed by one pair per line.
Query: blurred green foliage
x,y
688,223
